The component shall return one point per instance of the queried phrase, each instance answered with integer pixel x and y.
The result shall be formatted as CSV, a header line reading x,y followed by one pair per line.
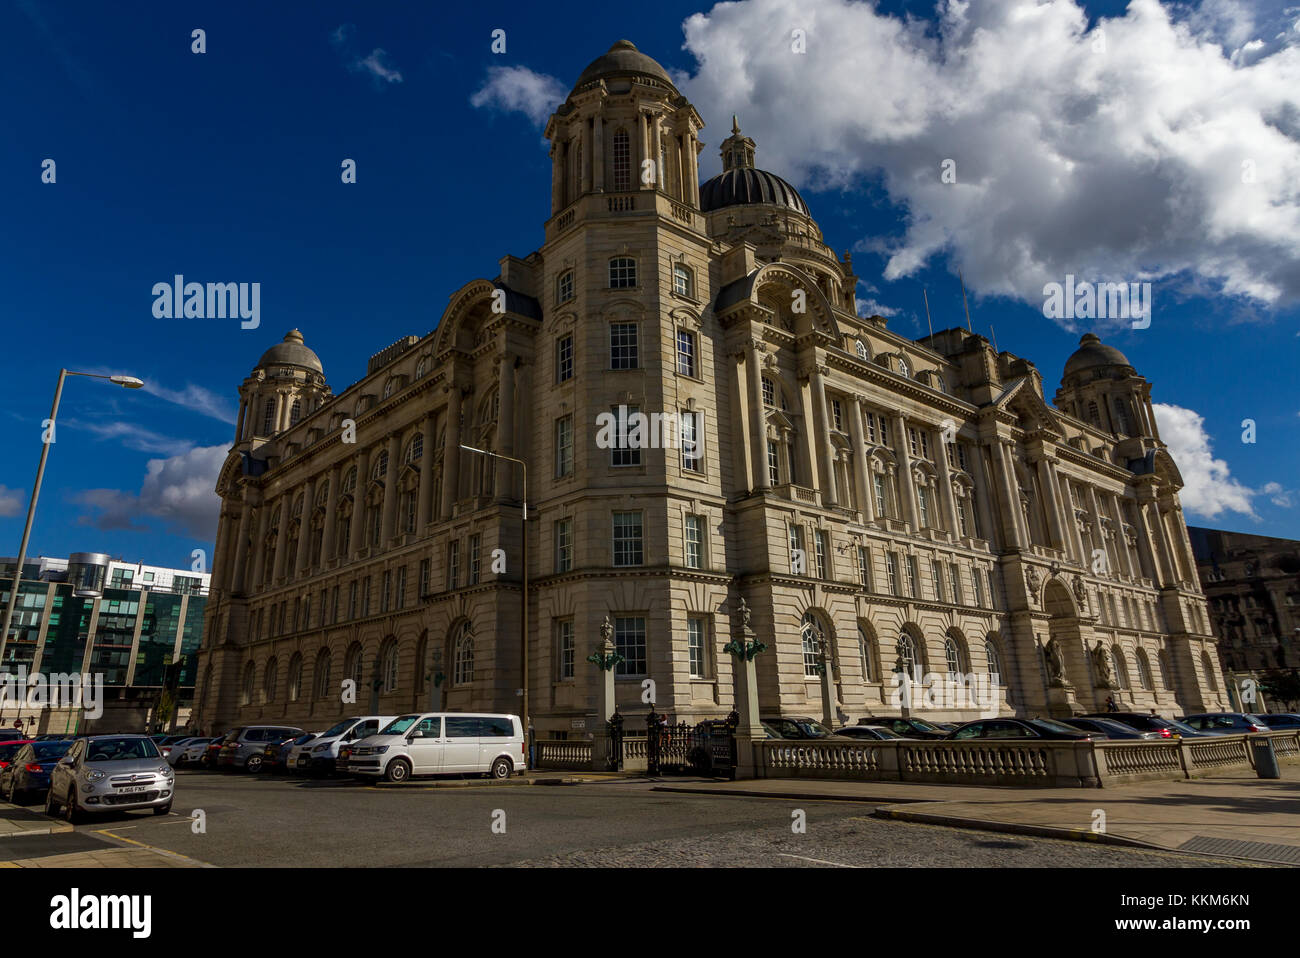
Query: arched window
x,y
1094,414
295,412
1144,669
1208,666
463,657
622,157
622,272
353,665
907,653
246,687
323,674
861,348
994,662
389,667
350,481
952,655
1162,663
864,646
903,368
380,471
389,387
811,631
415,448
421,368
295,677
268,417
683,281
1119,667
270,680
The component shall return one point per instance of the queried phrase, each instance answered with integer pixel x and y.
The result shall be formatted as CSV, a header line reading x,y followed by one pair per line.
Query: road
x,y
278,821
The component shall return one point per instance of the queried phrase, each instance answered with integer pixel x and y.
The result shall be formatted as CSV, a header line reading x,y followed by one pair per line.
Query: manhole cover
x,y
1235,848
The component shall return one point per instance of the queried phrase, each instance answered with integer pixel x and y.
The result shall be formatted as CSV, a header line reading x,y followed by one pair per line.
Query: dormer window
x,y
421,368
903,368
861,349
390,387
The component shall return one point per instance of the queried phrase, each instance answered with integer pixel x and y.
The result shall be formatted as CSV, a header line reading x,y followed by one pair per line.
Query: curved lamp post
x,y
127,382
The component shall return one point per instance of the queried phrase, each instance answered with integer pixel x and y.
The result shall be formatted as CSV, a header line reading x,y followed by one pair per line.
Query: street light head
x,y
128,382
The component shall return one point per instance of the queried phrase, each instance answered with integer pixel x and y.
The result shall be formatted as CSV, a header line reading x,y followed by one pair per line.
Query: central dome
x,y
291,352
1092,352
623,59
746,185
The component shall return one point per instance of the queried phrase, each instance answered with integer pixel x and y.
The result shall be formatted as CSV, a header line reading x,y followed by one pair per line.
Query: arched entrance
x,y
1070,679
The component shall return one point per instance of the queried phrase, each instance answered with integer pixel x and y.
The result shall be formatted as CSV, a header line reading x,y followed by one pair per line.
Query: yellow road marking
x,y
161,851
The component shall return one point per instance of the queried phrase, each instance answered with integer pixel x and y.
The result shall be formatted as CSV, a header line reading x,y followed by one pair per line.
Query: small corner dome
x,y
1092,353
623,59
291,352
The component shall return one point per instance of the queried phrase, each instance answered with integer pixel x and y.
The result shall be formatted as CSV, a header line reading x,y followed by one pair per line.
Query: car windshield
x,y
924,726
7,751
337,730
884,732
1250,716
120,749
1053,726
51,751
304,738
813,729
1177,726
399,725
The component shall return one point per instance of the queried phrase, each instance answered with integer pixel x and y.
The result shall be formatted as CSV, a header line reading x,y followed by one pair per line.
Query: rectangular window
x,y
564,287
773,464
977,584
882,501
837,415
940,592
563,545
622,273
622,346
685,352
475,557
923,506
424,577
891,572
564,446
628,438
864,567
629,642
694,542
453,564
821,547
695,632
692,458
873,436
334,605
352,600
798,558
564,358
913,579
322,618
365,597
564,648
387,590
401,588
627,539
993,596
954,576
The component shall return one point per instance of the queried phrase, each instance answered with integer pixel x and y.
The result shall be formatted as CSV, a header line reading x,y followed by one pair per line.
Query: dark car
x,y
54,737
1226,723
797,727
209,759
1108,728
9,748
906,727
875,733
276,754
1145,722
1281,720
1012,729
28,774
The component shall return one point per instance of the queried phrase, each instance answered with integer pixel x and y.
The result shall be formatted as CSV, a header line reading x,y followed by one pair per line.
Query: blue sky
x,y
224,166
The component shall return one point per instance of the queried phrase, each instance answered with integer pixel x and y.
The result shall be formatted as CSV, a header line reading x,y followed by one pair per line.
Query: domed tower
x,y
286,385
1101,387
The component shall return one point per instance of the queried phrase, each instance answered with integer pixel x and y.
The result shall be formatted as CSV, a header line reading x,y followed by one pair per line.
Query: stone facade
x,y
914,502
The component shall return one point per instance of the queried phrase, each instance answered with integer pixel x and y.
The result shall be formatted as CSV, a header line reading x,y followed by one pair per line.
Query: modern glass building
x,y
138,637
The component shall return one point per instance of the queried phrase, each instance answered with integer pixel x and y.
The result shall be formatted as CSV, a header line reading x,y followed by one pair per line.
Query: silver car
x,y
110,773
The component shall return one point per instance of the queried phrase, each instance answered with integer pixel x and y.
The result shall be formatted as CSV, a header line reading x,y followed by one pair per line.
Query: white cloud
x,y
11,501
180,490
378,64
517,88
1125,164
1278,494
130,435
193,397
1209,487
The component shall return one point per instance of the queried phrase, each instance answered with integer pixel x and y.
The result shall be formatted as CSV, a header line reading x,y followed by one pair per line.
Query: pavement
x,y
1235,816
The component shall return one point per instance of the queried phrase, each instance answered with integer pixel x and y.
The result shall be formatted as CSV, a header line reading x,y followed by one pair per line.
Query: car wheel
x,y
398,770
502,768
71,813
162,809
11,794
51,805
254,763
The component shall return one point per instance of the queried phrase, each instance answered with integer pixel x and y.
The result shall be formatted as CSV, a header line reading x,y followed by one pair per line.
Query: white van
x,y
319,755
437,743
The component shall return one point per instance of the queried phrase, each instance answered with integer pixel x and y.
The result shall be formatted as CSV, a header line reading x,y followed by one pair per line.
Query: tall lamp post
x,y
127,382
523,617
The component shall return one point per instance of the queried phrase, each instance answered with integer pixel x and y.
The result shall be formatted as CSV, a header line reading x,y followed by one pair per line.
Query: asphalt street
x,y
279,821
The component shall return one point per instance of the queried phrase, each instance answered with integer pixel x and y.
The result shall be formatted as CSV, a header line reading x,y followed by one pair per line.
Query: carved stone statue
x,y
606,632
1081,594
1101,662
744,618
1055,663
1031,579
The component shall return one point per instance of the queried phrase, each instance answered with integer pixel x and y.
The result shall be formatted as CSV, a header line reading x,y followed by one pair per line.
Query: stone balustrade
x,y
576,755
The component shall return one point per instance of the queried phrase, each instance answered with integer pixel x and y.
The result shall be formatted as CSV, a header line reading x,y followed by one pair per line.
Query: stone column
x,y
757,419
598,155
357,533
585,165
304,530
947,501
1012,521
748,730
331,506
388,525
861,465
282,539
1071,520
906,488
505,474
605,701
426,475
820,420
452,455
241,550
1046,481
744,459
640,147
239,421
557,178
259,545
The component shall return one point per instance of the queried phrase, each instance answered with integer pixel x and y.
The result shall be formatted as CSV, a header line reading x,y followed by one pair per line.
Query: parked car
x,y
876,733
110,773
245,747
8,749
28,774
1226,723
209,757
1145,722
1281,720
187,751
1108,728
318,756
276,754
797,727
433,743
53,737
906,727
1012,729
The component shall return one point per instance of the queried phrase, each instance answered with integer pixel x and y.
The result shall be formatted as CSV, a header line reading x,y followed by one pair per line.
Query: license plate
x,y
304,760
133,788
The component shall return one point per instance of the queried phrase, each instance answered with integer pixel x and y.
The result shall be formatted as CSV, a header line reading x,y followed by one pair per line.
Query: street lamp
x,y
127,382
523,653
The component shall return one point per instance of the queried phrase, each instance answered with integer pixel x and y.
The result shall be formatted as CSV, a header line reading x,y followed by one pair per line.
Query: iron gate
x,y
708,748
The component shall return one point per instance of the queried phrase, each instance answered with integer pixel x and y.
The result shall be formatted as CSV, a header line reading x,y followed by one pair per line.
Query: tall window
x,y
295,412
623,346
564,446
682,280
821,547
389,666
685,352
907,653
978,585
811,650
365,596
692,460
629,438
913,580
564,286
882,498
994,662
958,596
563,545
891,572
629,642
627,539
773,464
695,632
322,674
475,557
694,542
952,655
622,155
564,649
424,577
798,558
864,649
864,566
386,592
352,599
940,593
268,417
769,392
453,564
564,358
837,415
923,505
463,657
622,272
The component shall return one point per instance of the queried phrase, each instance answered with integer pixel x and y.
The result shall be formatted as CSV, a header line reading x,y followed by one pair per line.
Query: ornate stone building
x,y
919,504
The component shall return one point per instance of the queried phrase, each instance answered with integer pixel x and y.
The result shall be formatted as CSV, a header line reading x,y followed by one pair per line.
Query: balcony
x,y
602,206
